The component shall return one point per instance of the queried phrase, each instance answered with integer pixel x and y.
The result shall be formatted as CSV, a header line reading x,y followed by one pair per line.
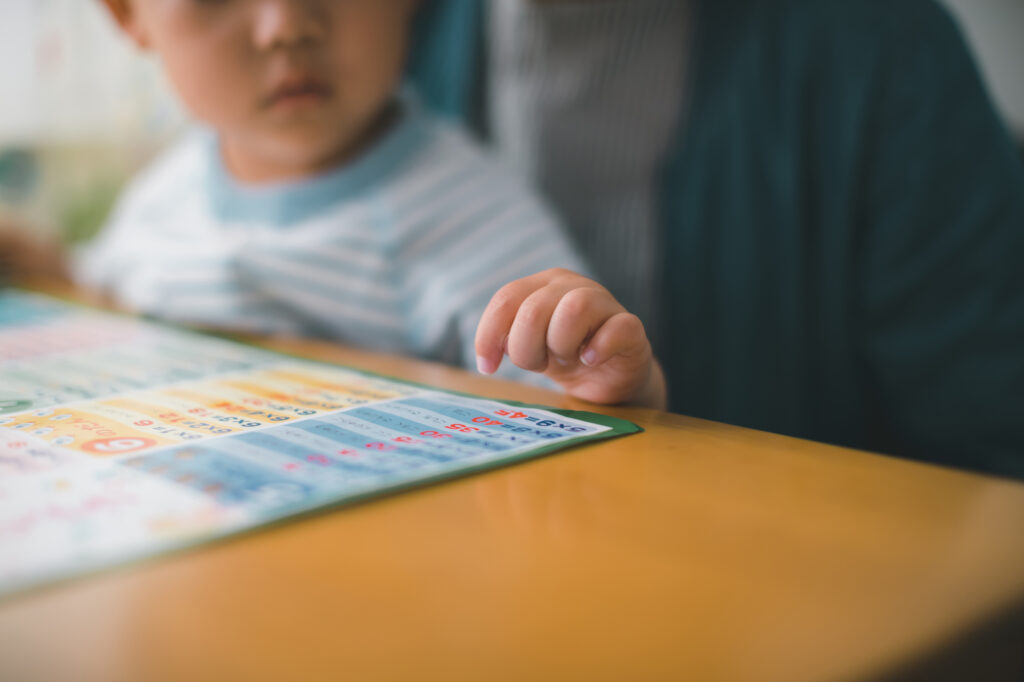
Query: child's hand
x,y
574,331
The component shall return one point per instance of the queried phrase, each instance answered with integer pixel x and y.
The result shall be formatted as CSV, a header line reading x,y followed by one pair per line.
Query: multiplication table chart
x,y
120,438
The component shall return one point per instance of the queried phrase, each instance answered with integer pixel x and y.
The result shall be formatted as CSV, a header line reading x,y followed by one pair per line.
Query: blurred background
x,y
80,109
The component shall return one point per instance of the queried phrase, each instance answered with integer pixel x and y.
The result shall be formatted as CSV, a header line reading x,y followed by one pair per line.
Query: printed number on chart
x,y
116,446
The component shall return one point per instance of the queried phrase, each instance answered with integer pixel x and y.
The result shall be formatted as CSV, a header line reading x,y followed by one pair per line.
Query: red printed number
x,y
487,421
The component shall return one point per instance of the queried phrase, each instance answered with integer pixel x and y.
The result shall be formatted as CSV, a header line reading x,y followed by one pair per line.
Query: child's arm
x,y
27,256
574,331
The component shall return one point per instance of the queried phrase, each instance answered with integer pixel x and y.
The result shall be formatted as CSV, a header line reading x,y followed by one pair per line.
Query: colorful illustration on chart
x,y
121,438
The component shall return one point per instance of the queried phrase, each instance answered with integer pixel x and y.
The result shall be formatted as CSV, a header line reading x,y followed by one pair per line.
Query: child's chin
x,y
311,153
315,143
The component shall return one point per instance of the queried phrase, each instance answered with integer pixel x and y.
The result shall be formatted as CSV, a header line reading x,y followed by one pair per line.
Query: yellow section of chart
x,y
155,407
87,431
194,410
224,399
306,391
334,382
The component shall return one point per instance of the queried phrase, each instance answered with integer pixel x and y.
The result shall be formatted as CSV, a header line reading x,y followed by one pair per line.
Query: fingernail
x,y
483,365
589,357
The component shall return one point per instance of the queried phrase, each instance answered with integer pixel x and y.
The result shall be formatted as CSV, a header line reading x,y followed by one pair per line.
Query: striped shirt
x,y
399,250
585,99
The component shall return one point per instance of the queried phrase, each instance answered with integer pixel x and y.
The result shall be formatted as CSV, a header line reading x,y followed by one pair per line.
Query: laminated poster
x,y
121,438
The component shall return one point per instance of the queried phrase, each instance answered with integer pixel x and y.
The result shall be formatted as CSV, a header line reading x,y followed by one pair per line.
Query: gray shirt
x,y
586,99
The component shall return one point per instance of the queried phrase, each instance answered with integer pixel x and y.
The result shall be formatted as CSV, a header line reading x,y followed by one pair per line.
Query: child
x,y
322,201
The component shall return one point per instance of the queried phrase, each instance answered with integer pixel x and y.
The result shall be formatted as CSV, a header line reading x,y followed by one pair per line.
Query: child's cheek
x,y
216,80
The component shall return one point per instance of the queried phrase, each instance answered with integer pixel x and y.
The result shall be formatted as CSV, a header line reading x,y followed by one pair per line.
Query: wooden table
x,y
694,551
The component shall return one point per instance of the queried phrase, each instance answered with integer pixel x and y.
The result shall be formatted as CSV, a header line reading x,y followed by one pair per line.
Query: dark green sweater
x,y
844,226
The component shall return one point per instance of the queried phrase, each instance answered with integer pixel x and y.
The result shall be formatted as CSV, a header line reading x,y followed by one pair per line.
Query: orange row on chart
x,y
199,409
87,431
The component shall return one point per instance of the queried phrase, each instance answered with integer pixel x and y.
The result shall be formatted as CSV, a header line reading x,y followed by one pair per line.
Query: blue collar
x,y
285,203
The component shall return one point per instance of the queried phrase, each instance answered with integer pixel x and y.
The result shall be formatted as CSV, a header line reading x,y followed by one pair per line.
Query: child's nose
x,y
287,23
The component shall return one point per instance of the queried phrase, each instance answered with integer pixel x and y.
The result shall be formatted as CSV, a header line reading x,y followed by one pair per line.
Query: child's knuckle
x,y
576,302
530,314
631,325
503,300
559,274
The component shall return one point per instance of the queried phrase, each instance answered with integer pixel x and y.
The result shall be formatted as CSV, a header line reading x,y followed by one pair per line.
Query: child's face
x,y
292,86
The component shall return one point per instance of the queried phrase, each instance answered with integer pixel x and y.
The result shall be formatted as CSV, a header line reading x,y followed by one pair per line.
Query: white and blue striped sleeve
x,y
488,230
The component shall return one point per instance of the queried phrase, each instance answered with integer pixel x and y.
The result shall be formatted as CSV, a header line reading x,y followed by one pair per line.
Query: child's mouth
x,y
298,94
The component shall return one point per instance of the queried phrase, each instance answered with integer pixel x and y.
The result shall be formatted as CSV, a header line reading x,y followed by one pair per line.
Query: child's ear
x,y
126,17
